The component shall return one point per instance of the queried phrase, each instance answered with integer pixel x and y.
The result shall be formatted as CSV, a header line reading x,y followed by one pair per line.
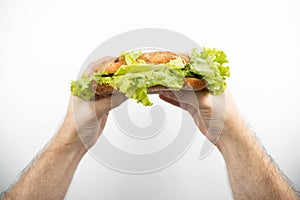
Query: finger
x,y
184,97
174,102
103,121
169,100
104,105
195,113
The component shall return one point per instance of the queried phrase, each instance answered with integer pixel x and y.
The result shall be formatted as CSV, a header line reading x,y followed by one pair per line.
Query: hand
x,y
214,115
88,118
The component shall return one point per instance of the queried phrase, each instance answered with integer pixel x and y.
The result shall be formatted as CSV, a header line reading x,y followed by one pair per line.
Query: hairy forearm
x,y
51,172
252,173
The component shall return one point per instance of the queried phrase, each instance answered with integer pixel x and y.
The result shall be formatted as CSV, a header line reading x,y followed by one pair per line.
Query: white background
x,y
44,43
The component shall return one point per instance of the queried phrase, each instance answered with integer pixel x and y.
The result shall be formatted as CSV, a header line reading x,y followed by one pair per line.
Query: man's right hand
x,y
215,116
251,172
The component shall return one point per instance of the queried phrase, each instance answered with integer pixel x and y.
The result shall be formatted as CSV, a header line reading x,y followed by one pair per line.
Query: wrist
x,y
68,139
233,135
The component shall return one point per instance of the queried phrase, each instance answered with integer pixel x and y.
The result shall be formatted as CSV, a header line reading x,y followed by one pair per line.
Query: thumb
x,y
169,98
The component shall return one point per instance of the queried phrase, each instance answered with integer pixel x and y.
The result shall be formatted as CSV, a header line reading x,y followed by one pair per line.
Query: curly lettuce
x,y
211,65
135,83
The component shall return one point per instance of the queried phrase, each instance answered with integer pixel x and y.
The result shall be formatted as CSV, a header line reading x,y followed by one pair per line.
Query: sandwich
x,y
137,74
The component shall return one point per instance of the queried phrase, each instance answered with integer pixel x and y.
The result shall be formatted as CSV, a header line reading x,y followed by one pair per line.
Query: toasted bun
x,y
111,65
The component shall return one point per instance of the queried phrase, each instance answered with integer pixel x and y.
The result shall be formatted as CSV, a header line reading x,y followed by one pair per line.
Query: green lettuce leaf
x,y
82,88
135,77
136,68
211,65
131,57
177,63
135,83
